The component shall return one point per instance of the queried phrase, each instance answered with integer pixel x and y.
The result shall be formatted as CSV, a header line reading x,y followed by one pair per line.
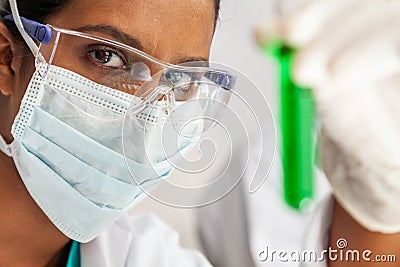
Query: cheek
x,y
26,68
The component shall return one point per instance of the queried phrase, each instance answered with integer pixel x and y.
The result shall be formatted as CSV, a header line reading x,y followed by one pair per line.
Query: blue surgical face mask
x,y
69,151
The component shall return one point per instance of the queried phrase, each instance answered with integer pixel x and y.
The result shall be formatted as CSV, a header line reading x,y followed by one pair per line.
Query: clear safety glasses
x,y
127,69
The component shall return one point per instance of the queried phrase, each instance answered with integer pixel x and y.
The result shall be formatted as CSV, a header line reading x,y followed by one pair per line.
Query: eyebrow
x,y
192,59
114,33
127,39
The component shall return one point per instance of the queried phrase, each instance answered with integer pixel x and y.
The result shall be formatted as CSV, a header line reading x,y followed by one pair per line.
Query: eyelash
x,y
102,48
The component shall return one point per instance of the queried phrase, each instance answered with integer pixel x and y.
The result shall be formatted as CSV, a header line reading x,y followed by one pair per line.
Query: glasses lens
x,y
188,94
104,62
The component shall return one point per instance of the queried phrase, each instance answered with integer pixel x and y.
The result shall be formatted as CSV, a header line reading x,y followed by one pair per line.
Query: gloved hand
x,y
349,54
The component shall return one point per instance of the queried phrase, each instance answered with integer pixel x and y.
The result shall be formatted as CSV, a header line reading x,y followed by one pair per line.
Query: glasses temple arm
x,y
36,30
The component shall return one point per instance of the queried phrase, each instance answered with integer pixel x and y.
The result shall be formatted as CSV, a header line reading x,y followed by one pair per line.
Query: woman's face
x,y
174,31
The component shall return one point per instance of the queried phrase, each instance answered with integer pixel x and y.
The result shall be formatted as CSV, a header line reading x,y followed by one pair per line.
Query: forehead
x,y
164,27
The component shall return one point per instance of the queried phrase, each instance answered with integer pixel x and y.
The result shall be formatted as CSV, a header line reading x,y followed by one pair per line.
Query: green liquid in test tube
x,y
298,131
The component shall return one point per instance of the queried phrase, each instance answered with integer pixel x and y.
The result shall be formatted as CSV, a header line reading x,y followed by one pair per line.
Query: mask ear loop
x,y
169,105
149,99
40,59
169,100
5,148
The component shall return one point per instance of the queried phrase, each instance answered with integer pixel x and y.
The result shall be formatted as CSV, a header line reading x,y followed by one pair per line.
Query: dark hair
x,y
37,10
217,8
40,10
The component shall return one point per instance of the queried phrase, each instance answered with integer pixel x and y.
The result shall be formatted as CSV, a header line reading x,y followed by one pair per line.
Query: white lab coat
x,y
139,241
237,228
317,238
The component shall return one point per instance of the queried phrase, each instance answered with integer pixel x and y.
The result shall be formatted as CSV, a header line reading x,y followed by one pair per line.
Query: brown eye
x,y
107,58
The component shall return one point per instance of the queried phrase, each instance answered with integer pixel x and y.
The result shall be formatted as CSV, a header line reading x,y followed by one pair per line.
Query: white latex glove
x,y
349,54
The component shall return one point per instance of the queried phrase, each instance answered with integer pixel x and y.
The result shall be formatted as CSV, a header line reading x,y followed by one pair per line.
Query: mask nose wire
x,y
164,93
17,20
154,96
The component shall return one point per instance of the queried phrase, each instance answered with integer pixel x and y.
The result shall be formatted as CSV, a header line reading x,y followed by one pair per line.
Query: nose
x,y
143,78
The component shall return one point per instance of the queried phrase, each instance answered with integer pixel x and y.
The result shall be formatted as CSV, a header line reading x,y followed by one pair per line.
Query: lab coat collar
x,y
110,248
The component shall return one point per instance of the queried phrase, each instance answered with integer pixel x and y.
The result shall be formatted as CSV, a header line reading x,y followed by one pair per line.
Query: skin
x,y
170,30
359,238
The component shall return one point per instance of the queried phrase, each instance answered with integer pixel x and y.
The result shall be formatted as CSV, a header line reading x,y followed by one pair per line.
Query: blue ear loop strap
x,y
36,30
